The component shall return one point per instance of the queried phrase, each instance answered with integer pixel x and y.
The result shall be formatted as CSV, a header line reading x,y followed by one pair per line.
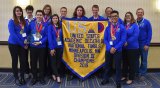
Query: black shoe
x,y
118,85
104,82
22,81
42,81
33,82
70,78
17,82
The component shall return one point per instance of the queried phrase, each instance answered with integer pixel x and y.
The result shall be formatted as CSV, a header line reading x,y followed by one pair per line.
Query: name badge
x,y
111,43
59,43
24,35
36,38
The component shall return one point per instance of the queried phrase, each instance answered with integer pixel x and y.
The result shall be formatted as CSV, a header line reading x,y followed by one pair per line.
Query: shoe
x,y
27,76
33,82
22,81
104,82
129,82
54,77
123,78
142,78
42,81
118,85
58,80
17,82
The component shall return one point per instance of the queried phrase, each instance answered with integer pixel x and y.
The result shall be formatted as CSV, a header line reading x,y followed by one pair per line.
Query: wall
x,y
151,13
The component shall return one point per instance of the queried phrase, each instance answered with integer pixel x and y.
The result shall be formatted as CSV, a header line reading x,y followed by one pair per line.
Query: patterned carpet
x,y
152,80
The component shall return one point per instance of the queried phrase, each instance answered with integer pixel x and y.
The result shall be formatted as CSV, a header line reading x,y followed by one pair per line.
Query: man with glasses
x,y
114,38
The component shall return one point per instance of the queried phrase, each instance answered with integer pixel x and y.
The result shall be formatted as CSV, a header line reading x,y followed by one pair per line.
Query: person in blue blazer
x,y
18,43
79,13
47,10
114,39
130,49
38,42
56,46
145,36
96,16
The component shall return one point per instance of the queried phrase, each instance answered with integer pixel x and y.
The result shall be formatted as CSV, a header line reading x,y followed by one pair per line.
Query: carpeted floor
x,y
152,80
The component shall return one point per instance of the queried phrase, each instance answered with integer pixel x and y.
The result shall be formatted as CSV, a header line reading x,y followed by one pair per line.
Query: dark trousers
x,y
48,71
56,61
16,52
27,67
117,56
130,57
37,55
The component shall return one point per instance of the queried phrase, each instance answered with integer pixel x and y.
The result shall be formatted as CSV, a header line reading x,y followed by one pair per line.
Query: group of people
x,y
126,40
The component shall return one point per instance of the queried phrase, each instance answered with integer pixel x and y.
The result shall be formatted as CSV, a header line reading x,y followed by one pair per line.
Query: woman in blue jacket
x,y
55,46
131,52
18,43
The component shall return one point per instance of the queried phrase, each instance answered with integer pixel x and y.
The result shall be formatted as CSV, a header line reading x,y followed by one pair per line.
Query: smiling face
x,y
47,10
140,13
108,12
29,12
18,12
95,11
39,16
114,17
55,20
128,17
63,12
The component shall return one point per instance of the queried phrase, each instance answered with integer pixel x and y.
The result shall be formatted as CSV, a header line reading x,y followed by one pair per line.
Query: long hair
x,y
47,5
58,23
132,18
21,17
75,11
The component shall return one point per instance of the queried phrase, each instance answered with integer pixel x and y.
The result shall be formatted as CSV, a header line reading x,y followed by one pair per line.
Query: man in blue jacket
x,y
145,36
114,39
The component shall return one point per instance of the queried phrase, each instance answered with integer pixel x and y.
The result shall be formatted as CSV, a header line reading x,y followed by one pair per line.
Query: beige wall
x,y
122,6
153,59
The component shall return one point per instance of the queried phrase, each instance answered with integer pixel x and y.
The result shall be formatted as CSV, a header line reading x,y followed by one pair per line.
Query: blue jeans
x,y
144,62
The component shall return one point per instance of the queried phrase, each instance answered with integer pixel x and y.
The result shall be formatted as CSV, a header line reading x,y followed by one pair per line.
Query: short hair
x,y
47,5
132,17
29,7
40,12
75,11
140,9
115,11
63,8
95,6
108,8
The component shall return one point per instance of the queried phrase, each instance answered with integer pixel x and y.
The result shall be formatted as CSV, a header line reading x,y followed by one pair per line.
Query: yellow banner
x,y
84,48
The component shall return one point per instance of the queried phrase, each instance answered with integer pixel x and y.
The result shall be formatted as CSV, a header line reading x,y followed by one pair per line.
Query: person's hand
x,y
126,44
26,42
25,47
36,43
146,47
113,50
52,52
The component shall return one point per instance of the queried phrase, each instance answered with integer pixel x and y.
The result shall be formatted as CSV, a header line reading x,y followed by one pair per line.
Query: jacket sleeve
x,y
149,33
106,41
123,38
12,31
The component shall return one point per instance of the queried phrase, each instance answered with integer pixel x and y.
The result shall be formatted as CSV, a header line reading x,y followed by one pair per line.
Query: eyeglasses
x,y
114,16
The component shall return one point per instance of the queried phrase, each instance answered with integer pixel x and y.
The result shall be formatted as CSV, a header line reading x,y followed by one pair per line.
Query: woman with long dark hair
x,y
55,46
18,43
